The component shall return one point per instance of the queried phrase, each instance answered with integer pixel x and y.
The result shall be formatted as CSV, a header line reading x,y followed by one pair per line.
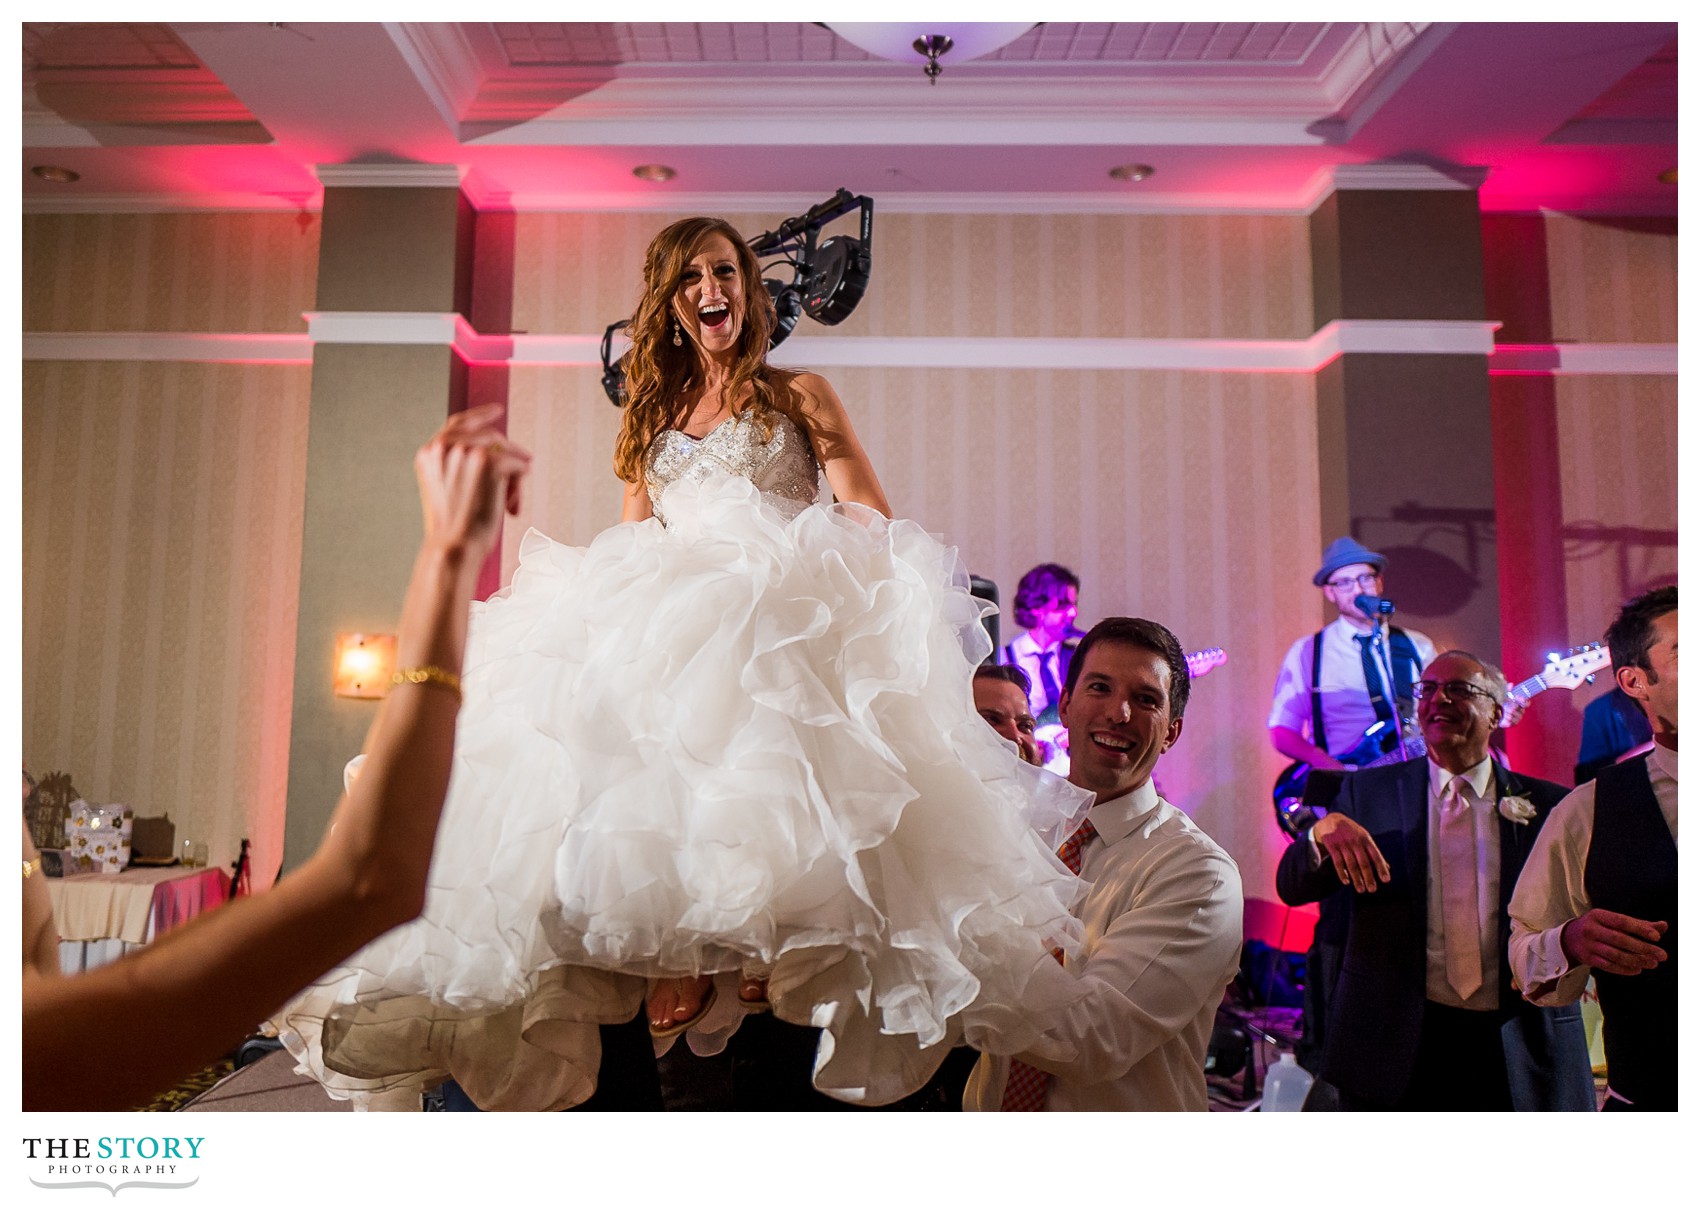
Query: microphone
x,y
1374,607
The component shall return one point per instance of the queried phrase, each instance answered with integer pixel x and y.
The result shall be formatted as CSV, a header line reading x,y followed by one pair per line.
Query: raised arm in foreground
x,y
197,991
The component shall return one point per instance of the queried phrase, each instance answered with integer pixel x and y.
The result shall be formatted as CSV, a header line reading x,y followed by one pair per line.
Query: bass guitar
x,y
1380,744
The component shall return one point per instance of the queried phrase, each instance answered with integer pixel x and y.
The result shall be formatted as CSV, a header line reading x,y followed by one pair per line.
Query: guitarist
x,y
1338,682
1047,599
1334,685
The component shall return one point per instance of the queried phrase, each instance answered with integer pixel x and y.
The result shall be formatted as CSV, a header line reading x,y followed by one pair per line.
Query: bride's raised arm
x,y
836,446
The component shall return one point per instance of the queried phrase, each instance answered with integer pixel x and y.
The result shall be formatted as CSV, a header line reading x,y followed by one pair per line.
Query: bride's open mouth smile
x,y
714,315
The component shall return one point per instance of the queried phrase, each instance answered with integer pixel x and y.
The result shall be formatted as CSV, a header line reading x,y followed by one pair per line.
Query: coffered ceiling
x,y
769,115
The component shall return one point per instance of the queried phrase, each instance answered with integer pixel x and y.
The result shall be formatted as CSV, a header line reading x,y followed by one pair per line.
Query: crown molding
x,y
1373,49
1385,176
862,104
443,61
406,176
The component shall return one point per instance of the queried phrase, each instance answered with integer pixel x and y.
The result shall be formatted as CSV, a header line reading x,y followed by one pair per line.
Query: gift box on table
x,y
97,839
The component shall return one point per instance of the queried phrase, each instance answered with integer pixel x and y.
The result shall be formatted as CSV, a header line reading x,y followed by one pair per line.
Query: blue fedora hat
x,y
1343,551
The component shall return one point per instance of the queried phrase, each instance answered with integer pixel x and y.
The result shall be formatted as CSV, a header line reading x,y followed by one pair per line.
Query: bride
x,y
728,751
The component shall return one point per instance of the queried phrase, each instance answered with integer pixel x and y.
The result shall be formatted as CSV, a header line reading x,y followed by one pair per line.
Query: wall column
x,y
1405,440
386,248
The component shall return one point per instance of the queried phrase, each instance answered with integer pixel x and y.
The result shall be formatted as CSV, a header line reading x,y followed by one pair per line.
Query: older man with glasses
x,y
1426,1015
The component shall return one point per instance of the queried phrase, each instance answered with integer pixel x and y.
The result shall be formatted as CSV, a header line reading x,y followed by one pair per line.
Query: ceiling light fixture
x,y
52,172
1668,176
923,42
654,172
1132,172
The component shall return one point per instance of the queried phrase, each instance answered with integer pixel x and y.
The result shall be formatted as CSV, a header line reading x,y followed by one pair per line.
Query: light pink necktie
x,y
1458,878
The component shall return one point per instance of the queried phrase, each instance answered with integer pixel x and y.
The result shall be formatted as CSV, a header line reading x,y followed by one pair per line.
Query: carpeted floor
x,y
196,1083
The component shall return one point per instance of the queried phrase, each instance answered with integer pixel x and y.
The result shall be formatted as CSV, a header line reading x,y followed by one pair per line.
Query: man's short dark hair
x,y
1631,633
1145,634
1039,586
1007,673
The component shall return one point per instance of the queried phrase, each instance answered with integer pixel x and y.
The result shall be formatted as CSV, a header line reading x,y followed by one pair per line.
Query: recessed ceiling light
x,y
654,172
1132,172
1668,176
52,172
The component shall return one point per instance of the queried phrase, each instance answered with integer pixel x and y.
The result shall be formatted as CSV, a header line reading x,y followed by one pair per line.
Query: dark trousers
x,y
1460,1066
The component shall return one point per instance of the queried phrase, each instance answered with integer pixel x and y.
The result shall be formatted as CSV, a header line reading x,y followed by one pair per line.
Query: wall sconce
x,y
364,663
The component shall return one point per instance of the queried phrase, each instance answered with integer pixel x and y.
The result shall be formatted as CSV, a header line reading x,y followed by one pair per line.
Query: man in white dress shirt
x,y
1337,680
1602,902
1163,916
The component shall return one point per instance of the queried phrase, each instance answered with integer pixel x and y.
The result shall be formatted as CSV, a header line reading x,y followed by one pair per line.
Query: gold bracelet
x,y
428,675
31,867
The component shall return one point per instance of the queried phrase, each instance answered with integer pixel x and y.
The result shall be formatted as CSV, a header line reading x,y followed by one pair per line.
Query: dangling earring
x,y
678,336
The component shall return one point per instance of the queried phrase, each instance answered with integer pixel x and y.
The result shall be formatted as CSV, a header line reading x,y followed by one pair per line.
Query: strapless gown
x,y
740,733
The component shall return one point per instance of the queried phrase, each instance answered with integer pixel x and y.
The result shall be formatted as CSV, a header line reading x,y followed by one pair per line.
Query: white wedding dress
x,y
739,733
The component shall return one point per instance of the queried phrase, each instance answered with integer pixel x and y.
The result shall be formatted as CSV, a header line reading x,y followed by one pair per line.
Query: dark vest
x,y
1631,869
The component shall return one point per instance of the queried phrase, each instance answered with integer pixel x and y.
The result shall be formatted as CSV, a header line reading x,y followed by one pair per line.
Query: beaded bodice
x,y
783,468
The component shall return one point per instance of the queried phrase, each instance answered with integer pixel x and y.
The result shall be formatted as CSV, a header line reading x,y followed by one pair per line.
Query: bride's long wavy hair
x,y
660,375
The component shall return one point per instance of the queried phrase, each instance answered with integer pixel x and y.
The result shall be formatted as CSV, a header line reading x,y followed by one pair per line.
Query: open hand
x,y
1357,860
468,474
1614,943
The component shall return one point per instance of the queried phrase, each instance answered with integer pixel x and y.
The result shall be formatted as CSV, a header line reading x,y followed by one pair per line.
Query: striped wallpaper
x,y
1617,444
169,273
1612,279
1232,276
161,549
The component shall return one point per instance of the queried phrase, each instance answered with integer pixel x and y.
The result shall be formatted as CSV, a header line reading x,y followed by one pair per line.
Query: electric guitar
x,y
1050,730
1380,744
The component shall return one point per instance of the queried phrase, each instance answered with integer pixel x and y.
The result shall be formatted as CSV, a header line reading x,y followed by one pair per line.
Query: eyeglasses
x,y
1363,581
1456,691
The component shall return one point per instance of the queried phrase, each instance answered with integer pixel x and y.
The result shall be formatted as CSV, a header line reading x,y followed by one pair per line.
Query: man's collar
x,y
1479,777
1349,629
1665,759
1115,818
1025,643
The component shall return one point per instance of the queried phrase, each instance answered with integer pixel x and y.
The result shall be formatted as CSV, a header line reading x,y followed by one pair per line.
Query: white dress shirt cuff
x,y
1544,973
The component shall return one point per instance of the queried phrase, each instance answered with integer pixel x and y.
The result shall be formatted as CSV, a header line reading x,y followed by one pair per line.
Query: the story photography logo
x,y
113,1162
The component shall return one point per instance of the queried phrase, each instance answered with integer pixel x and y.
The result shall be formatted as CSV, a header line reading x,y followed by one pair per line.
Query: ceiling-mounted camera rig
x,y
828,277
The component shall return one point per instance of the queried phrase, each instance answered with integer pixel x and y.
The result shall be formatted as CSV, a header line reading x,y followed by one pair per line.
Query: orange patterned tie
x,y
1027,1085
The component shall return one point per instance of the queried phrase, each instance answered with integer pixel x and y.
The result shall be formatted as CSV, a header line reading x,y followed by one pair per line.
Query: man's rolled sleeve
x,y
1164,959
1550,893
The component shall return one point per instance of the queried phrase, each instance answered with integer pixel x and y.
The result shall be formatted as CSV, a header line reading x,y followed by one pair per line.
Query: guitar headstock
x,y
1573,667
1205,660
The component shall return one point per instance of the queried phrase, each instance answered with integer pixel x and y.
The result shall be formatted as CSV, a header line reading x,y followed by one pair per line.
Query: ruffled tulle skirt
x,y
745,739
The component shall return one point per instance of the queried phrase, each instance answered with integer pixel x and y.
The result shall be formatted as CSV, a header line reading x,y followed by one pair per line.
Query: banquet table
x,y
101,916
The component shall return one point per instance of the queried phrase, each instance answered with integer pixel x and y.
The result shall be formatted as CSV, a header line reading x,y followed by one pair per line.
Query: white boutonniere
x,y
1516,809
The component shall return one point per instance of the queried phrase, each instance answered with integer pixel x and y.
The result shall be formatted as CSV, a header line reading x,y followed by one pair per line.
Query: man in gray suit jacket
x,y
1425,1016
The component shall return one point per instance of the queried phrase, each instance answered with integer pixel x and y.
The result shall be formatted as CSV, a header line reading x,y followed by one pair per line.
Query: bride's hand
x,y
467,474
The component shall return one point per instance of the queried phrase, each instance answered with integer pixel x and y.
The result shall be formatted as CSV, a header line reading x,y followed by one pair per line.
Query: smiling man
x,y
1425,1016
1130,1015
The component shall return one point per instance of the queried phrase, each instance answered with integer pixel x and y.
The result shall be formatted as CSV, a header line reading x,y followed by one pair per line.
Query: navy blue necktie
x,y
1372,679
